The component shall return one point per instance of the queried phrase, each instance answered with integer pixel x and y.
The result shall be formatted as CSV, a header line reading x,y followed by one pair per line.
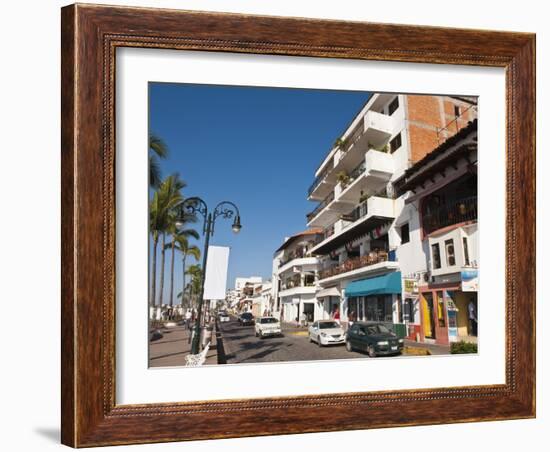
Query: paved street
x,y
242,346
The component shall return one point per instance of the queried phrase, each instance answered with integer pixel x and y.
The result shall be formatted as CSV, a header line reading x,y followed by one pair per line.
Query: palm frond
x,y
158,146
154,172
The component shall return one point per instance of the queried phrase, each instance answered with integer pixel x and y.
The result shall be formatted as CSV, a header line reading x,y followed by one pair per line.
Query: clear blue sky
x,y
257,147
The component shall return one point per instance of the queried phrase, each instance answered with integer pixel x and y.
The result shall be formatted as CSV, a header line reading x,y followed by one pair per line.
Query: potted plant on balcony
x,y
339,143
343,178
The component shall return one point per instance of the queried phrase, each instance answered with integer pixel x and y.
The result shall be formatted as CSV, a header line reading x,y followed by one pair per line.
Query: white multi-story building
x,y
262,300
241,282
358,211
240,295
295,278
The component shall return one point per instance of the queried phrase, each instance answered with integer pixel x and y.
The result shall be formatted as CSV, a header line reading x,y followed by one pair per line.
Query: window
x,y
466,252
405,233
394,105
395,143
457,111
450,251
436,256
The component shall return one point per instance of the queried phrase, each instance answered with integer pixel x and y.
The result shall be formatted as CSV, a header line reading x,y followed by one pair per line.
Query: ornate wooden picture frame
x,y
90,37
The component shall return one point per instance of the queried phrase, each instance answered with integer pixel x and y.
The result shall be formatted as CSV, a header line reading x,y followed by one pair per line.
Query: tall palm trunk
x,y
172,273
162,254
154,272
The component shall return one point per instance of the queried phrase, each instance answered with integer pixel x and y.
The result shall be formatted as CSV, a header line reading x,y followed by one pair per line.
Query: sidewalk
x,y
172,349
434,349
292,328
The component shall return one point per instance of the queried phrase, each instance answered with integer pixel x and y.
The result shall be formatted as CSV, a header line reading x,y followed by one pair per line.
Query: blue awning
x,y
385,284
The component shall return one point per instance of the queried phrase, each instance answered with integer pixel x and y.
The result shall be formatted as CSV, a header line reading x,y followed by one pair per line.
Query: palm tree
x,y
182,245
179,236
157,149
166,199
196,278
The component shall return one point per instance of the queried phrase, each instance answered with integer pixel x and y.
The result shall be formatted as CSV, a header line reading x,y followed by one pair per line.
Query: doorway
x,y
428,315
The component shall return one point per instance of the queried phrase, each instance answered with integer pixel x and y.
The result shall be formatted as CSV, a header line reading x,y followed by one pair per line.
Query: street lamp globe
x,y
236,227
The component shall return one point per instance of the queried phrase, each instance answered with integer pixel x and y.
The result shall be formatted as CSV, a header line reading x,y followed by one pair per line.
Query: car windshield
x,y
246,315
268,320
326,325
377,329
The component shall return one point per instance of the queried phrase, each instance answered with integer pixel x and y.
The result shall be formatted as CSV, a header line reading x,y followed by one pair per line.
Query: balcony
x,y
378,127
373,130
325,202
297,262
298,284
297,290
371,213
321,186
455,212
356,265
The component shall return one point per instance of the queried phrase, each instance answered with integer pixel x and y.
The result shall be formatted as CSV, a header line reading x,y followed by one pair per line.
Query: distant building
x,y
295,276
262,300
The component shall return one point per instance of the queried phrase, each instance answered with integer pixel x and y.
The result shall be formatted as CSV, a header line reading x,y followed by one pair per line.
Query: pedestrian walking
x,y
188,316
472,318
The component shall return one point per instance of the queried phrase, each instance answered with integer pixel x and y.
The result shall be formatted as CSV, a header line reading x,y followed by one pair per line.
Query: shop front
x,y
374,299
409,309
449,310
328,300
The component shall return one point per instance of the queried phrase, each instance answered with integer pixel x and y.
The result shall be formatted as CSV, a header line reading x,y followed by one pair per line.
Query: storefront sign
x,y
410,287
469,280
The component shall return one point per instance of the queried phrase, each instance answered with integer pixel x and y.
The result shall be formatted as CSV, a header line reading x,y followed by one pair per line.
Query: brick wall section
x,y
425,110
423,141
432,120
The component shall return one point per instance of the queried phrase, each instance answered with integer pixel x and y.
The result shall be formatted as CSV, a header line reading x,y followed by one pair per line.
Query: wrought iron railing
x,y
317,181
354,263
458,211
320,206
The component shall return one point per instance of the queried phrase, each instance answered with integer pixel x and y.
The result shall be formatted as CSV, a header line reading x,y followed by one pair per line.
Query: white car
x,y
267,326
327,332
223,316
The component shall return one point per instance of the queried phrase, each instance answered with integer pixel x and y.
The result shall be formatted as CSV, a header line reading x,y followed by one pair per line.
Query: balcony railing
x,y
325,202
317,181
374,257
328,231
358,170
447,214
292,284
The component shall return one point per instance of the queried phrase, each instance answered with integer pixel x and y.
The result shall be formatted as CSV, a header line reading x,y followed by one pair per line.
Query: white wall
x,y
31,361
410,260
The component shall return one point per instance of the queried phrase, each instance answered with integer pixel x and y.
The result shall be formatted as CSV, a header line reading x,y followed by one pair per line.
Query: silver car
x,y
326,332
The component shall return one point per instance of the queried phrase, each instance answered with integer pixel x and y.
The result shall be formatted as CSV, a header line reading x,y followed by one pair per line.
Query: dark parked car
x,y
374,338
246,318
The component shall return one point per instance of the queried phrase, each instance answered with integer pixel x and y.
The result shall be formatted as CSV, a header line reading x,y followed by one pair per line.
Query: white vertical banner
x,y
216,273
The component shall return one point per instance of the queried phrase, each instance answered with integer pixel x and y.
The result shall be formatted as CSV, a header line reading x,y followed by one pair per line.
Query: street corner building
x,y
393,236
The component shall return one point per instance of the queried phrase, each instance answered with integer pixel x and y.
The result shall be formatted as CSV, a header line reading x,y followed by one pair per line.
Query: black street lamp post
x,y
225,209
